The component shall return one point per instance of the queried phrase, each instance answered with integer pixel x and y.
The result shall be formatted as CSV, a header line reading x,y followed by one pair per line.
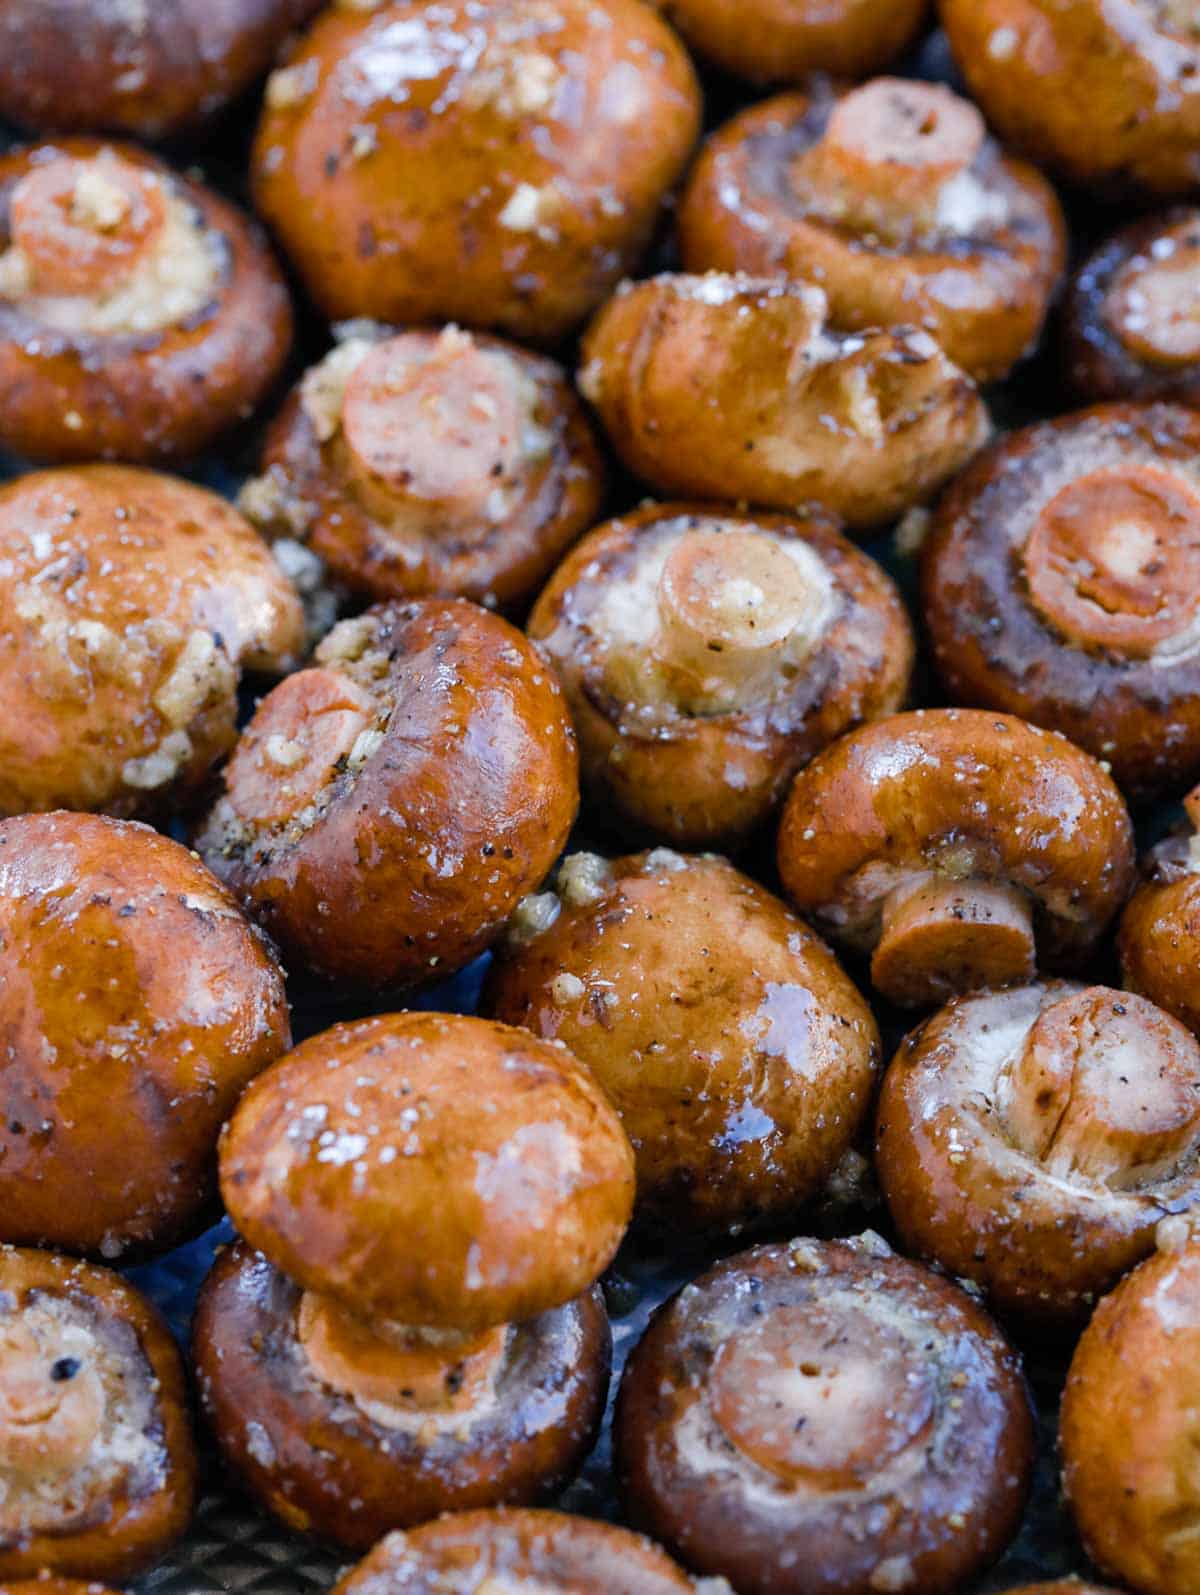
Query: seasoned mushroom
x,y
1107,92
386,809
706,655
1064,1586
733,387
1032,1139
425,462
136,1004
150,68
894,200
1128,1424
43,1585
740,1057
826,1417
140,314
1061,582
941,841
1159,941
131,603
497,165
96,1455
785,40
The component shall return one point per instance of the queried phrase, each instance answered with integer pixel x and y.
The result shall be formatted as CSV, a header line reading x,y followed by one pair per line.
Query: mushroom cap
x,y
499,166
430,1169
777,40
738,1054
134,600
1159,940
1063,1586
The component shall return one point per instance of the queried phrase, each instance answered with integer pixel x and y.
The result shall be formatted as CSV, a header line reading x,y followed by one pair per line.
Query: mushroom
x,y
1106,92
1061,582
499,166
706,654
1032,1139
131,603
1159,940
430,462
895,201
433,1197
825,1416
140,314
136,1004
943,842
1064,1586
387,808
784,40
732,387
96,1455
1128,1423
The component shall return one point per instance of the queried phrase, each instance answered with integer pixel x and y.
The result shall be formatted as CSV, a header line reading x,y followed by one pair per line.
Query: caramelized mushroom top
x,y
1159,942
784,40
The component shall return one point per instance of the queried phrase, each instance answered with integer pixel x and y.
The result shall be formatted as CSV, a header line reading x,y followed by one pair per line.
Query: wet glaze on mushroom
x,y
140,314
496,165
1159,941
826,1417
893,200
1032,1139
1061,582
96,1453
960,849
776,41
707,654
132,602
434,1196
387,808
1063,1586
740,1057
426,462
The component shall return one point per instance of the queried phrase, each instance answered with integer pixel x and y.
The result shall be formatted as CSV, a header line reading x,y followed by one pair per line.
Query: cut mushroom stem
x,y
51,1405
942,936
1155,309
83,225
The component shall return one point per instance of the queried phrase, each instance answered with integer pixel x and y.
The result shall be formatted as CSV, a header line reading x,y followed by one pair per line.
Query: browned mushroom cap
x,y
347,1433
826,1417
1061,582
140,314
740,1057
784,40
136,1004
42,1585
150,68
732,387
131,602
1128,1423
424,462
1032,1139
96,1452
430,1169
1063,1586
893,199
1159,941
939,841
1104,91
388,808
487,1553
707,654
495,165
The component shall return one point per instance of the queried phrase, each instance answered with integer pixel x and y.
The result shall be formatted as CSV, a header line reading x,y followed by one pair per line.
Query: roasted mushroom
x,y
740,1057
96,1455
892,198
387,809
707,654
434,1196
1063,1586
46,1585
826,1417
942,842
497,165
1159,941
131,603
425,462
1061,582
774,41
140,314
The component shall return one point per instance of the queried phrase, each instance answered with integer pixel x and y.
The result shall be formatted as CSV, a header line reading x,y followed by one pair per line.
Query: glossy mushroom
x,y
430,462
96,1451
1063,1586
499,166
893,199
1061,582
1159,941
959,849
774,41
739,1055
733,387
826,1416
132,603
141,315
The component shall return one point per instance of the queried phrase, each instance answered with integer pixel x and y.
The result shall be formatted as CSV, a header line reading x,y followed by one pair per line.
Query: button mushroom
x,y
784,40
1159,941
943,842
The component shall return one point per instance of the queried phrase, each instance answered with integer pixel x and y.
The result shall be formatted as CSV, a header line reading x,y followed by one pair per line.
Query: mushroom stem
x,y
51,1406
84,225
943,936
1154,306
